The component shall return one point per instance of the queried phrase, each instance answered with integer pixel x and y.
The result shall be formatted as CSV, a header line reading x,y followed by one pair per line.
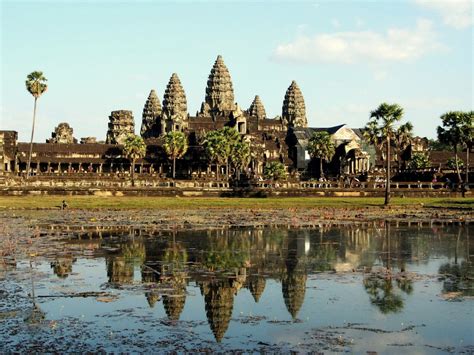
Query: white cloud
x,y
455,13
396,44
335,23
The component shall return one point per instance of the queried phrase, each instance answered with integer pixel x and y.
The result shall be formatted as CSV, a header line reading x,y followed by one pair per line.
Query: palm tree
x,y
384,118
402,139
274,170
240,156
176,145
456,130
321,146
36,86
468,130
215,146
134,148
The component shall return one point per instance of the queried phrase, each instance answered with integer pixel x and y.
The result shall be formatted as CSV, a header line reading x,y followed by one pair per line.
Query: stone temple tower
x,y
175,109
151,116
219,91
294,109
121,124
257,109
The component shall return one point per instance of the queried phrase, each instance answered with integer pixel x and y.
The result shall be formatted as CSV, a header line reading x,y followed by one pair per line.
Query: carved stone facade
x,y
151,116
175,109
294,109
63,134
121,124
219,98
283,139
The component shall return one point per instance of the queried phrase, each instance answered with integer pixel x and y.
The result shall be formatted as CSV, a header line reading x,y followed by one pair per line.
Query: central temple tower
x,y
219,91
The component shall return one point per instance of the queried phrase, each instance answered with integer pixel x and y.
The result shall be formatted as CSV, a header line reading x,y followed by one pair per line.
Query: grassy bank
x,y
94,202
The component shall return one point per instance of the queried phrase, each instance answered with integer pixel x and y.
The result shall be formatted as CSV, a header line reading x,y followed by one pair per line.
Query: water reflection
x,y
222,262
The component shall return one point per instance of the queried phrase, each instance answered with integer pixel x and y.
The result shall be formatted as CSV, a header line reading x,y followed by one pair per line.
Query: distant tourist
x,y
64,205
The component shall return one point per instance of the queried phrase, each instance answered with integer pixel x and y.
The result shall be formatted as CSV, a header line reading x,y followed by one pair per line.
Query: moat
x,y
338,288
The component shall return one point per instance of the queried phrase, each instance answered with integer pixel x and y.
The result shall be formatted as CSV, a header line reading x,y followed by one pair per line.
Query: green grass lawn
x,y
129,202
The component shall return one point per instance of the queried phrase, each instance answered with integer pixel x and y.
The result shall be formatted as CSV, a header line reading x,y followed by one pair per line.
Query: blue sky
x,y
347,57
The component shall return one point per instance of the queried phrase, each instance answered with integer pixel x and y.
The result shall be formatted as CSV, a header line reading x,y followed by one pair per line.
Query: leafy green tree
x,y
176,145
134,148
385,117
231,137
456,130
321,146
36,86
274,171
419,160
435,144
240,156
402,139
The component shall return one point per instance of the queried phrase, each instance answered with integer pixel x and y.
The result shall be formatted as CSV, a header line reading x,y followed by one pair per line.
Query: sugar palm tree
x,y
36,86
371,134
468,140
455,132
274,170
402,139
384,118
321,146
215,146
176,145
134,148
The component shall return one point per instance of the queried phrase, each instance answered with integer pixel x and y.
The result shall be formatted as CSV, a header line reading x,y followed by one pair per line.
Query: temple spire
x,y
219,91
257,109
175,109
294,109
151,116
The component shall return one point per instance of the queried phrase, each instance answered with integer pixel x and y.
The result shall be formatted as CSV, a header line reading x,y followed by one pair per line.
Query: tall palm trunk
x,y
133,172
31,141
466,179
174,166
387,179
456,159
321,174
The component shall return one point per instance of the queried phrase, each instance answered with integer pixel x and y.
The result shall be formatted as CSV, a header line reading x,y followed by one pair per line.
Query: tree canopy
x,y
36,83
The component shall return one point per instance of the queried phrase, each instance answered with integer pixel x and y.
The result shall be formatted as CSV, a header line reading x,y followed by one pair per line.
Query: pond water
x,y
356,288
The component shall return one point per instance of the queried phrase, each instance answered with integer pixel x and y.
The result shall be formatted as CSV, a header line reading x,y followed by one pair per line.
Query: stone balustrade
x,y
156,181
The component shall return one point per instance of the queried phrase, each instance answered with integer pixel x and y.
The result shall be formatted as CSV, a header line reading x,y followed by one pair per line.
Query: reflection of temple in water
x,y
164,266
219,301
120,270
62,266
294,279
223,261
256,284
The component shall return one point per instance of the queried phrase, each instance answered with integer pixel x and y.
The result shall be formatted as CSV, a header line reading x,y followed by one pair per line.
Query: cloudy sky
x,y
347,57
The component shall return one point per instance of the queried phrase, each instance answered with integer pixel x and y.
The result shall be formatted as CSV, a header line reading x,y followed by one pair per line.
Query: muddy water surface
x,y
356,288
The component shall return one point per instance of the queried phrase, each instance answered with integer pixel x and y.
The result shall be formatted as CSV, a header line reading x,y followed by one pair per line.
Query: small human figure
x,y
64,205
449,184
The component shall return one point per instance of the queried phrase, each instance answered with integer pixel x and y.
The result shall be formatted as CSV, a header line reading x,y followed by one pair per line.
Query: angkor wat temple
x,y
282,138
